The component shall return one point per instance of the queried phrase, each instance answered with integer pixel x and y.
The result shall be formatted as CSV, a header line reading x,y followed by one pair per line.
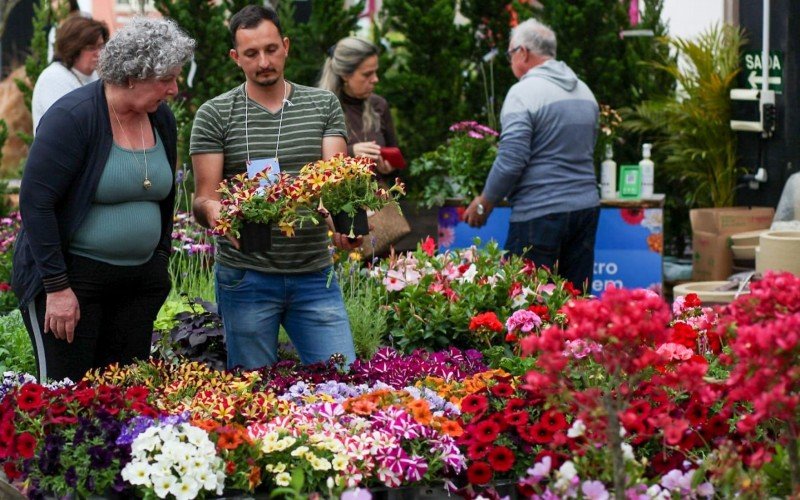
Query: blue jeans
x,y
254,305
565,239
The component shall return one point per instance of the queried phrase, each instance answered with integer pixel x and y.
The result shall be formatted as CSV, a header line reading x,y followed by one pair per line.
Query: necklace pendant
x,y
147,184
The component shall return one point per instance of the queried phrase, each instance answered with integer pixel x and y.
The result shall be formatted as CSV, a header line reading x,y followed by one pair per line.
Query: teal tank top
x,y
123,226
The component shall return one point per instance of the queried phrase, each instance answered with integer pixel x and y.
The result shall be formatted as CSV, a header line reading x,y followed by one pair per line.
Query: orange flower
x,y
255,476
362,407
229,438
418,405
452,428
205,424
423,415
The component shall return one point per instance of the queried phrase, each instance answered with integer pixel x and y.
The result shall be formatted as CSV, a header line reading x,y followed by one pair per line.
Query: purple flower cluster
x,y
473,129
189,237
398,370
9,228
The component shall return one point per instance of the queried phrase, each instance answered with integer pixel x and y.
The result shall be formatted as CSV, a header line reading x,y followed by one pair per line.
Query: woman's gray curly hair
x,y
144,48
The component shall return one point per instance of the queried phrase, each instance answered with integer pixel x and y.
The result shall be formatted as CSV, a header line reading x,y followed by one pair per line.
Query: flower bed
x,y
572,397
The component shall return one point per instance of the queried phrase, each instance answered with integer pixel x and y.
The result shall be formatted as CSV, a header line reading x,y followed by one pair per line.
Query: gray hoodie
x,y
544,161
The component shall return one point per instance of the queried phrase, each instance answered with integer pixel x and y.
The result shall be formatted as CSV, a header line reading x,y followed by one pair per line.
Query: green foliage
x,y
490,78
367,307
16,352
216,72
44,16
426,76
457,168
330,21
691,126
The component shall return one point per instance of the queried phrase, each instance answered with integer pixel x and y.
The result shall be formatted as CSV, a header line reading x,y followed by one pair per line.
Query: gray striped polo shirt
x,y
219,127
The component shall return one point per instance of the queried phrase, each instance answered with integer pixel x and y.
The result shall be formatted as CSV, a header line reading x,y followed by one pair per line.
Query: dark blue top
x,y
65,162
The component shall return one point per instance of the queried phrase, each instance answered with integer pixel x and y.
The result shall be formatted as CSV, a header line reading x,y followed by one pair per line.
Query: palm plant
x,y
691,127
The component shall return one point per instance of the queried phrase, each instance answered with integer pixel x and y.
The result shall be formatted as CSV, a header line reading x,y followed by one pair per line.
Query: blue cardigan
x,y
65,162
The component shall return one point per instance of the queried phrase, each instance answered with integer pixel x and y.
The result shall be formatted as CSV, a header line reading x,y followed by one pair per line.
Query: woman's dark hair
x,y
76,34
250,17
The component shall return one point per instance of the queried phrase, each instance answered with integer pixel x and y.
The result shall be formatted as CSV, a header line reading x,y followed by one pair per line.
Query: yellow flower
x,y
283,479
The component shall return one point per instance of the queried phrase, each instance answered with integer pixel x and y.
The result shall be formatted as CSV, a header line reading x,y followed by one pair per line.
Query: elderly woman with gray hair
x,y
90,265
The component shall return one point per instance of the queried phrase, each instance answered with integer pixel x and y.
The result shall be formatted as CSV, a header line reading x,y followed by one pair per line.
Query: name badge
x,y
260,165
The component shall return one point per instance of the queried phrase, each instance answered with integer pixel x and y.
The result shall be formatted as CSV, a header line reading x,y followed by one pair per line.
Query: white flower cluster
x,y
177,460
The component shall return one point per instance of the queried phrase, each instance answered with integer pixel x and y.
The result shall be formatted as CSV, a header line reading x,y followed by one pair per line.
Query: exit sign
x,y
752,75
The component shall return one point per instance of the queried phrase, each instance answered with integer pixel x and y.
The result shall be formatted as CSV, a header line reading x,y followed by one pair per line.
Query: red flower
x,y
696,413
503,390
541,310
137,393
26,445
4,287
487,431
29,398
501,459
673,431
10,468
554,421
477,451
474,403
515,404
684,335
84,396
479,473
537,433
429,246
510,338
717,426
691,300
487,320
516,418
568,287
7,431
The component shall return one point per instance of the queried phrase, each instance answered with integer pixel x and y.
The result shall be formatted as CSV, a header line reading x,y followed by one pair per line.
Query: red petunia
x,y
516,418
569,287
554,421
25,445
137,393
503,390
479,473
10,468
474,403
717,426
85,396
30,398
486,431
477,451
696,413
501,459
515,404
487,320
539,434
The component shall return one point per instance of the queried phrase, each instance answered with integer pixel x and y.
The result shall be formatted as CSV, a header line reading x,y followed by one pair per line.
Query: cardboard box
x,y
711,227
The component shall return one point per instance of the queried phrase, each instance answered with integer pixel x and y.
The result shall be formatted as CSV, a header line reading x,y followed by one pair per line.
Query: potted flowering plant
x,y
346,188
251,205
456,169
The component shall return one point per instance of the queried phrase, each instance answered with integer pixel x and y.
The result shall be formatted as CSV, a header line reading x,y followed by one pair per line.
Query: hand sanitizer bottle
x,y
648,171
608,175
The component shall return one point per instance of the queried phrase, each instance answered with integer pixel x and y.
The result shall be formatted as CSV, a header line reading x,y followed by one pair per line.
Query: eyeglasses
x,y
510,53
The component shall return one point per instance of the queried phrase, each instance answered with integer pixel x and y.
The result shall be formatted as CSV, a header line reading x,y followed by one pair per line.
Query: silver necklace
x,y
146,183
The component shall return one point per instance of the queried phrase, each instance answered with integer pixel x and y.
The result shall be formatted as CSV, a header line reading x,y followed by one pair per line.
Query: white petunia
x,y
187,489
136,473
162,485
283,479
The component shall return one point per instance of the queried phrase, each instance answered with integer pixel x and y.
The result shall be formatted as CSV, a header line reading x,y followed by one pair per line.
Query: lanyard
x,y
280,121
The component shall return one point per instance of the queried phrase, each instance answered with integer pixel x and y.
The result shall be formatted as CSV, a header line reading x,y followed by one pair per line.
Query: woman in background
x,y
351,72
79,41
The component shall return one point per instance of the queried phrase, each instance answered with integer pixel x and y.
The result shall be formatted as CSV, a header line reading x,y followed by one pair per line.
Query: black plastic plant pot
x,y
358,224
255,237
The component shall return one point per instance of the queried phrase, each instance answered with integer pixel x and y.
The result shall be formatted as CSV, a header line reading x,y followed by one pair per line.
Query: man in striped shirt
x,y
269,118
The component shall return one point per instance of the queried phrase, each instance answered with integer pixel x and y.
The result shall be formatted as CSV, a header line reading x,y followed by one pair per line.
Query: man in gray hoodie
x,y
544,163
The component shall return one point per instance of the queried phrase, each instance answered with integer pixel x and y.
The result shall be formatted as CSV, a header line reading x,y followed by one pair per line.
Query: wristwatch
x,y
480,209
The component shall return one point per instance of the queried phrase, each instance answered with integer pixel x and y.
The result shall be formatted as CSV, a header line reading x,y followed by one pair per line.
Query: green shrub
x,y
16,352
366,304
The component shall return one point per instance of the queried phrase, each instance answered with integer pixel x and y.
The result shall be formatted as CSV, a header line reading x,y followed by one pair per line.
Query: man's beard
x,y
269,82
